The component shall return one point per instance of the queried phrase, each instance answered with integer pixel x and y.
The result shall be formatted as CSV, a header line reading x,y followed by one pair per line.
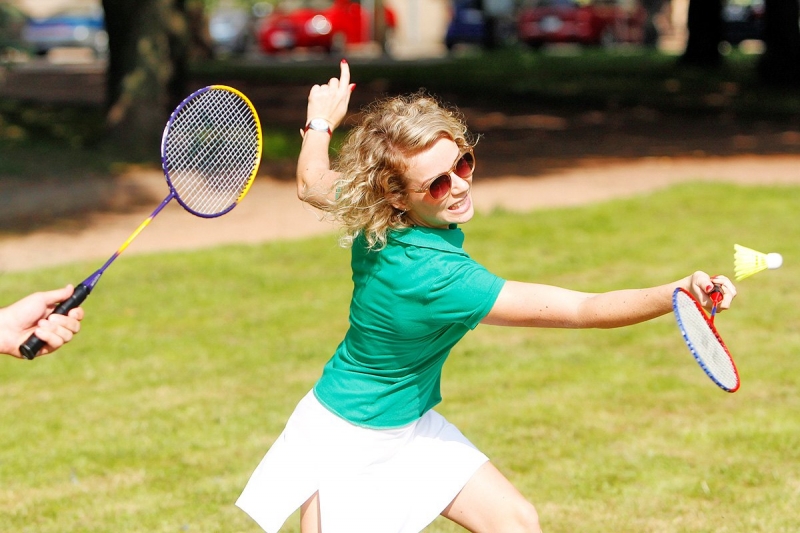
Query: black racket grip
x,y
31,347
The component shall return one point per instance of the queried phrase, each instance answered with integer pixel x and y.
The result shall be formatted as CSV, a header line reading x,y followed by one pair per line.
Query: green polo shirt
x,y
412,302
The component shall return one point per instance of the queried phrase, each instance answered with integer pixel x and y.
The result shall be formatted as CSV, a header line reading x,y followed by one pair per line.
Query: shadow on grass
x,y
534,114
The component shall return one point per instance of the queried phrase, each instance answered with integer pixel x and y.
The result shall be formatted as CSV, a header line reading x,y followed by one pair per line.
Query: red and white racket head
x,y
704,342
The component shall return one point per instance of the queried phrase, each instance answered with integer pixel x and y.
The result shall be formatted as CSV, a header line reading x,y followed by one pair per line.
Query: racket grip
x,y
716,297
716,294
31,347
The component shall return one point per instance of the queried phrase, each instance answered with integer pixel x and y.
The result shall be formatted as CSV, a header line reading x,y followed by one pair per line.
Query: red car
x,y
592,22
330,25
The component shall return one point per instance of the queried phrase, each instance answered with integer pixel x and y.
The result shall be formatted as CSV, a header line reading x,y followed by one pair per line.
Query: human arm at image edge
x,y
33,314
547,306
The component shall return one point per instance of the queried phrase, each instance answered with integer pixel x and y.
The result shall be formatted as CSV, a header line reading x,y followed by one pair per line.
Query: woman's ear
x,y
398,204
398,200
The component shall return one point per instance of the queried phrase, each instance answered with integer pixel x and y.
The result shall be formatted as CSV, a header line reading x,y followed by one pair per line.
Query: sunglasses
x,y
440,186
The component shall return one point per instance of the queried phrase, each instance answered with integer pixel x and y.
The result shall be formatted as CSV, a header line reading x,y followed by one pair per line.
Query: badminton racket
x,y
210,153
703,339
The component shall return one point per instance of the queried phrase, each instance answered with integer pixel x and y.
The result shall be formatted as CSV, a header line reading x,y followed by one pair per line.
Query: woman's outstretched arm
x,y
535,305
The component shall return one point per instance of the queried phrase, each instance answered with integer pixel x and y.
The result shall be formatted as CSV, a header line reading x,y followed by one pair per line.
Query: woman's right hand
x,y
330,101
701,285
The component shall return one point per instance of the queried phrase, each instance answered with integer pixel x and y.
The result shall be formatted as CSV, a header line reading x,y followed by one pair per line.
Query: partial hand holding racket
x,y
210,154
703,340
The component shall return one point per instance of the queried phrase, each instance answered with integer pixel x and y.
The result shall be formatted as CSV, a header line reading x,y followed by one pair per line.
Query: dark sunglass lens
x,y
465,165
440,187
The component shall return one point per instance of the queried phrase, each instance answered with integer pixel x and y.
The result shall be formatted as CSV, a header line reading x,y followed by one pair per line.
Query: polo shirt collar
x,y
446,240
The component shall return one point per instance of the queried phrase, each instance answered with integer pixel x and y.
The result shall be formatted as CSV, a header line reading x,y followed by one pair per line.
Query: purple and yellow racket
x,y
210,153
703,340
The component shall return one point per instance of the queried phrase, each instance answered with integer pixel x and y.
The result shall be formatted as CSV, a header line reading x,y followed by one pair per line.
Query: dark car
x,y
470,25
593,22
466,24
82,27
743,20
329,25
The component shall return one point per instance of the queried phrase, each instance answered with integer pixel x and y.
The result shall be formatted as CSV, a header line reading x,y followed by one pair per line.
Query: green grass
x,y
189,364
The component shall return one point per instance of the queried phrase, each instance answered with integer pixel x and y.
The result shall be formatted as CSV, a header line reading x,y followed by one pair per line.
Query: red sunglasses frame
x,y
446,175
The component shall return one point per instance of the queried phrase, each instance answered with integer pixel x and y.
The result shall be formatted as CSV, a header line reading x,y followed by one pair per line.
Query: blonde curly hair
x,y
375,157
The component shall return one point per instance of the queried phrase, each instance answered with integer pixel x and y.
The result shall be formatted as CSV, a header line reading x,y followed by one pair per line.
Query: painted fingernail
x,y
352,86
708,288
344,61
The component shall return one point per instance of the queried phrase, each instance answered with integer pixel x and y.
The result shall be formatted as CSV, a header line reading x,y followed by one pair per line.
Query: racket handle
x,y
31,347
716,294
716,297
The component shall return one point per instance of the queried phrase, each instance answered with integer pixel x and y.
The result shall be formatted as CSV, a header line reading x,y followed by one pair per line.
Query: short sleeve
x,y
464,293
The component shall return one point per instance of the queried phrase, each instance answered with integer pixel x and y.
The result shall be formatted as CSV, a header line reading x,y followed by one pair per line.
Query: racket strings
x,y
705,344
212,150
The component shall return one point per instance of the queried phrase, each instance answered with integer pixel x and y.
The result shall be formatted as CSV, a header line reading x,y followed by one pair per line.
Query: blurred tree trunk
x,y
147,69
780,62
652,8
705,33
379,25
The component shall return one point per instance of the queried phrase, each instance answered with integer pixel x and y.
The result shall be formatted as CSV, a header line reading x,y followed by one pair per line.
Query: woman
x,y
364,451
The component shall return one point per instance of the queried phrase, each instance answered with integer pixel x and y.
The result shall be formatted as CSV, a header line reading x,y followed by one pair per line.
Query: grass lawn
x,y
189,364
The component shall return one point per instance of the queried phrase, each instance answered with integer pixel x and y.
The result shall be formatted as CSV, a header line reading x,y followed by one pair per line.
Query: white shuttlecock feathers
x,y
747,261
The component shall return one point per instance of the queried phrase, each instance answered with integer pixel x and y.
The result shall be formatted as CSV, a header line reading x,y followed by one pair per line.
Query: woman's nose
x,y
459,184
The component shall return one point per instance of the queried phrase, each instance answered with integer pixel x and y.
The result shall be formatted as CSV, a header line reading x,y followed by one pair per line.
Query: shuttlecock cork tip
x,y
774,260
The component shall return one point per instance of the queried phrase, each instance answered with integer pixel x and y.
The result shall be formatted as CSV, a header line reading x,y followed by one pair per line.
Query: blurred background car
x,y
743,20
330,25
470,24
229,29
466,24
78,27
586,22
232,27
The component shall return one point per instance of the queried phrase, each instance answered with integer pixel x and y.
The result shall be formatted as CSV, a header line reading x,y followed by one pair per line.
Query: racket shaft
x,y
129,240
31,347
139,230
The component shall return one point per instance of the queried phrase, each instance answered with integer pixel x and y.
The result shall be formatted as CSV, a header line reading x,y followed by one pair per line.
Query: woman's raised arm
x,y
327,107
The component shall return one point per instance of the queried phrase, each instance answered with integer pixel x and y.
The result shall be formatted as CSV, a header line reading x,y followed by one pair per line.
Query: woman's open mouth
x,y
461,205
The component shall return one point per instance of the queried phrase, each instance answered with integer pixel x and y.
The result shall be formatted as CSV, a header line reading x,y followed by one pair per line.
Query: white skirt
x,y
369,480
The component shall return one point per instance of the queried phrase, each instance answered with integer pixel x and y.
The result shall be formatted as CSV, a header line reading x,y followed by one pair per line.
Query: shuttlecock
x,y
747,262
